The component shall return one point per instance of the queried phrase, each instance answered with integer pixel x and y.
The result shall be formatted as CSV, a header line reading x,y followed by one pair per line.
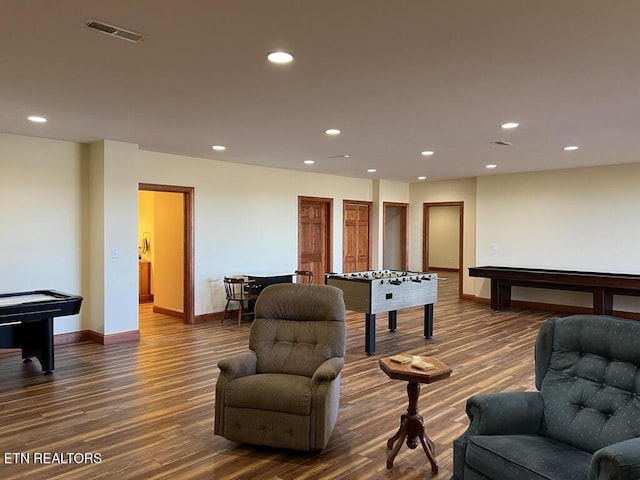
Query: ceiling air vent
x,y
114,31
502,143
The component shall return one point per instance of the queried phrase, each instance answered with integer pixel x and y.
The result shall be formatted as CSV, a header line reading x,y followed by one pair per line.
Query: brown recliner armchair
x,y
284,391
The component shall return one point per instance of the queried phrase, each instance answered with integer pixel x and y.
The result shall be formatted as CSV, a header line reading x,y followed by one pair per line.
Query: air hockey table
x,y
26,322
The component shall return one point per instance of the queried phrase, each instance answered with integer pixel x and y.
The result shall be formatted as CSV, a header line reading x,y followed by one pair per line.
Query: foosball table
x,y
377,291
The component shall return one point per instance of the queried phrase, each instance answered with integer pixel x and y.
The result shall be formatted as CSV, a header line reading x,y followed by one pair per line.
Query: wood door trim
x,y
369,206
329,221
189,244
425,238
405,240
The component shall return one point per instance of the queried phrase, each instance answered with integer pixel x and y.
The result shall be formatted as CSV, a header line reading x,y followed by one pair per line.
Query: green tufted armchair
x,y
583,423
283,392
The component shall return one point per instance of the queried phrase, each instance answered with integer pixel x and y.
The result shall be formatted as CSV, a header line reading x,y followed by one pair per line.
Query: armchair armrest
x,y
619,461
328,370
497,413
505,413
236,366
239,365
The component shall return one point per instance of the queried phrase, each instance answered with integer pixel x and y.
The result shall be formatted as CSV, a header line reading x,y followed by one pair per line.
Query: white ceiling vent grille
x,y
114,31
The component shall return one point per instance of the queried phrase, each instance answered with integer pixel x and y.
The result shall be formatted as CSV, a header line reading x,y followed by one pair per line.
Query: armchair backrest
x,y
588,372
297,327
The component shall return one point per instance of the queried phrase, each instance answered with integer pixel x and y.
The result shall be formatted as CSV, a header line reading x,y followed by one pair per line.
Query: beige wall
x,y
577,219
41,212
168,265
444,237
112,292
66,207
146,217
246,216
463,190
383,191
393,238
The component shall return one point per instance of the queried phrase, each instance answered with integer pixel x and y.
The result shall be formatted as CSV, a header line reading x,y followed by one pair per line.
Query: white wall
x,y
577,219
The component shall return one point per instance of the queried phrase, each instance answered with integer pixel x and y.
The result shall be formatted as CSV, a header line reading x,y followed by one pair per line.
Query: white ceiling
x,y
397,77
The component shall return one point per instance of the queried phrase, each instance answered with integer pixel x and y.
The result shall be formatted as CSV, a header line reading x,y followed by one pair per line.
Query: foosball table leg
x,y
393,320
428,321
370,333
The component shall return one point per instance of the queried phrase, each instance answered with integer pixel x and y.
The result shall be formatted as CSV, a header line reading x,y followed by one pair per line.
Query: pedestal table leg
x,y
411,428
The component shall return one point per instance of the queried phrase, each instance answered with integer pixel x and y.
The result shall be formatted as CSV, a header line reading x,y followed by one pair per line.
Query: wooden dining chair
x,y
236,290
304,276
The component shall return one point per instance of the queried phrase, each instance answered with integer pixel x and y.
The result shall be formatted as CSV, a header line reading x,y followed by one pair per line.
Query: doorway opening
x,y
166,226
443,238
395,217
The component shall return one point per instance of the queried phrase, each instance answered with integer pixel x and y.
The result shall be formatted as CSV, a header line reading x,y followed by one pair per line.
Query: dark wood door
x,y
314,236
356,249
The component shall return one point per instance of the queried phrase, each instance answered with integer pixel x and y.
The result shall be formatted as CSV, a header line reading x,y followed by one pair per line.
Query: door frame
x,y
329,232
404,253
189,245
425,237
369,206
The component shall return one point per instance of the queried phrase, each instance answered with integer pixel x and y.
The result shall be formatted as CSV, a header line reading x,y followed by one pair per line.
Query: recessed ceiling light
x,y
309,162
219,148
422,178
371,170
491,166
509,125
427,153
37,119
332,131
280,57
571,147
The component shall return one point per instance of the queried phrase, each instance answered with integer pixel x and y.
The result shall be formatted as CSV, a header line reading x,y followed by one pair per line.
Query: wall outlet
x,y
494,247
115,253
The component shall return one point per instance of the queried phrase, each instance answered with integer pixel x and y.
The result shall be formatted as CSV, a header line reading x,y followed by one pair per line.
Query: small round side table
x,y
412,423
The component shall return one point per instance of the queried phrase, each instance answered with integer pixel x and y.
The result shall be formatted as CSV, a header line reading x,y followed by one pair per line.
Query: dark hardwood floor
x,y
147,408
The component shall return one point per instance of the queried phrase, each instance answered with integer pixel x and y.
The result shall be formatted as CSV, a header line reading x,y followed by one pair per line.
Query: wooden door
x,y
356,233
314,236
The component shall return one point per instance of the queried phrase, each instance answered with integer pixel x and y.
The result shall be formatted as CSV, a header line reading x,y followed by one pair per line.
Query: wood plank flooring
x,y
147,408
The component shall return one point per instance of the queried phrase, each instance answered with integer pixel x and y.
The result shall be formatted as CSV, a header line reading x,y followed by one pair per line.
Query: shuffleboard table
x,y
26,322
377,291
602,285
